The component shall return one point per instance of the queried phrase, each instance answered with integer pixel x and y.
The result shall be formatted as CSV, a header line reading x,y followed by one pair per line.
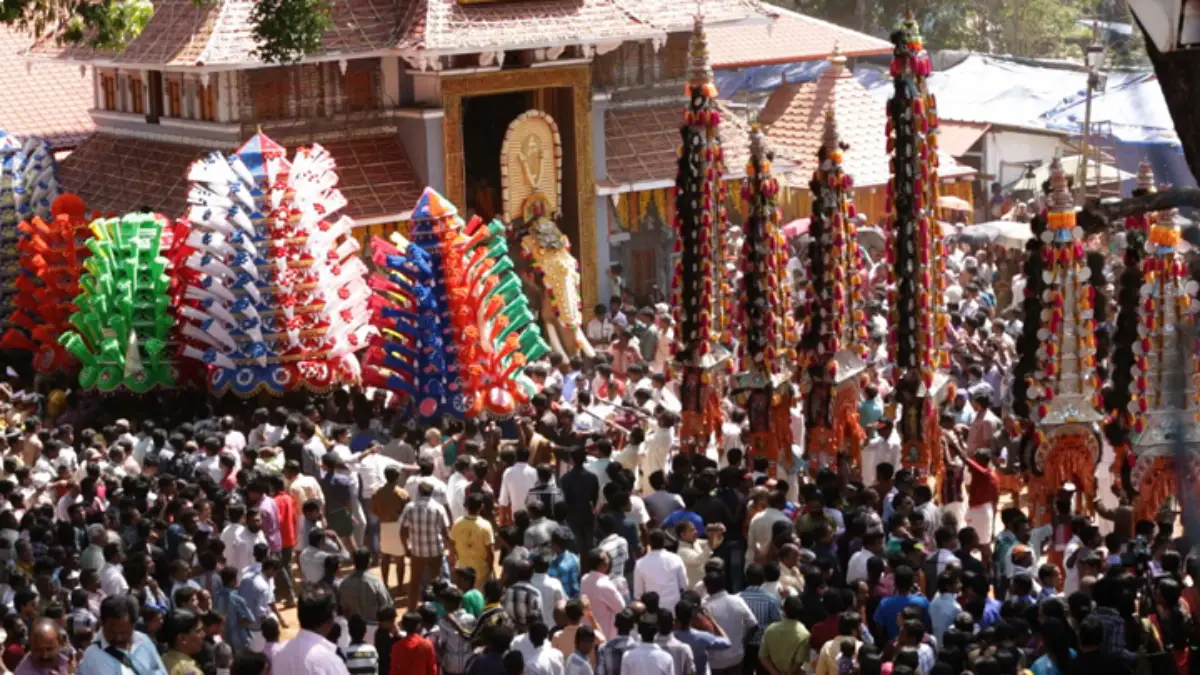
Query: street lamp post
x,y
1093,56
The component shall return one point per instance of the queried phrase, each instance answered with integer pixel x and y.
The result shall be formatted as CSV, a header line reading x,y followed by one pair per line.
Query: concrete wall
x,y
600,169
420,131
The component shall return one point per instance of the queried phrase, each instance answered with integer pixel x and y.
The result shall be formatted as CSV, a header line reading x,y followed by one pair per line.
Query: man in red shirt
x,y
286,506
413,654
982,495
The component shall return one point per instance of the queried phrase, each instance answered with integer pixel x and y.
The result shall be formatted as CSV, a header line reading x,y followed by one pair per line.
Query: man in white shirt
x,y
872,546
112,578
309,652
553,595
647,658
516,483
883,449
235,441
240,539
658,448
759,535
600,329
456,487
660,571
734,617
541,658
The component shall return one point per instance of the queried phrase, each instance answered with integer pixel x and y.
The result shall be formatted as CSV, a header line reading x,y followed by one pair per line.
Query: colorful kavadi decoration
x,y
833,350
52,256
916,254
766,328
1157,310
456,329
28,188
277,298
121,329
700,223
1064,394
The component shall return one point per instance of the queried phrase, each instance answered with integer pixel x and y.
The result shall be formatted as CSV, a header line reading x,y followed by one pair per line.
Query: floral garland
x,y
1025,370
699,213
1120,420
762,314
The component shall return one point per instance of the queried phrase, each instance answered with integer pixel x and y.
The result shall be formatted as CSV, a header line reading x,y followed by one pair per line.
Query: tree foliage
x,y
285,30
1032,28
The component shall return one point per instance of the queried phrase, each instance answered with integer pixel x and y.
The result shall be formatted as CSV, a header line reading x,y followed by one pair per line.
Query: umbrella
x,y
872,238
796,228
953,203
1006,233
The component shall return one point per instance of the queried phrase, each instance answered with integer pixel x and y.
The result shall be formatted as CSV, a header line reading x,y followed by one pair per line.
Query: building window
x,y
174,98
359,87
207,93
137,96
108,91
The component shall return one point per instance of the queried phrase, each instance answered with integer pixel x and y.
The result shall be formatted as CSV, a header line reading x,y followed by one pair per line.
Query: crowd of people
x,y
176,533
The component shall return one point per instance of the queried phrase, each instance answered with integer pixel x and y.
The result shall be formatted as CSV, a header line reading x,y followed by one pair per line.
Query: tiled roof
x,y
447,26
674,16
794,118
791,38
641,144
122,174
50,100
188,33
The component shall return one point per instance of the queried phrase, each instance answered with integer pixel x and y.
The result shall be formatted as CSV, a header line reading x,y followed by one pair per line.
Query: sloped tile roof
x,y
794,120
674,16
187,33
50,100
447,26
123,174
793,37
641,144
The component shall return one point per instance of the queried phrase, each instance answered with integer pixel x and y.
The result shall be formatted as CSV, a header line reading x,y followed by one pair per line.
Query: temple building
x,y
483,100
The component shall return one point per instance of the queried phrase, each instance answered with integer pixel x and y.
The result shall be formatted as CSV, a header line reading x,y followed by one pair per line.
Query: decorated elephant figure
x,y
551,279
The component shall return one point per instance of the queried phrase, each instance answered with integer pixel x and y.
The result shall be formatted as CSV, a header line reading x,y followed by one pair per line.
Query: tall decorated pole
x,y
916,253
833,351
765,327
699,224
1064,395
1160,303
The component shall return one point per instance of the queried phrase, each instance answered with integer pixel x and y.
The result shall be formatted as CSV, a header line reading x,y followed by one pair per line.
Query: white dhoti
x,y
390,542
981,518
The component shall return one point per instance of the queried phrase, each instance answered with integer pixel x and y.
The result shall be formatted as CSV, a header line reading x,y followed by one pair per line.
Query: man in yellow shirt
x,y
785,643
474,541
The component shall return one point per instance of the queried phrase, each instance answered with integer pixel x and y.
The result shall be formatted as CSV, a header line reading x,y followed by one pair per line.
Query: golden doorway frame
x,y
454,88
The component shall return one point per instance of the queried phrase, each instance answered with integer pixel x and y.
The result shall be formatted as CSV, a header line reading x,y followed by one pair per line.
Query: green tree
x,y
1033,28
285,30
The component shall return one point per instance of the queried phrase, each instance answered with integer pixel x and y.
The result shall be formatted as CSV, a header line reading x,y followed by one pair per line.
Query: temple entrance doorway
x,y
485,119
